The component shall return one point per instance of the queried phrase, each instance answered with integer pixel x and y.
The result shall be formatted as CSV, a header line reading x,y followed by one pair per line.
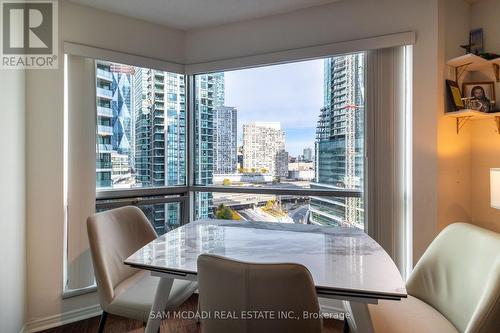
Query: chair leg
x,y
102,322
346,326
198,314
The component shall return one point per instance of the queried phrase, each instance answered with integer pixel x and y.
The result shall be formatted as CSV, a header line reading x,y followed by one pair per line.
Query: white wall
x,y
485,138
44,145
347,20
465,158
485,14
85,25
12,203
454,155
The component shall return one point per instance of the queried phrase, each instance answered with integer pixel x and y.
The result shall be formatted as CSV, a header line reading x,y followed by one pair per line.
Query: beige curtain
x,y
388,99
80,150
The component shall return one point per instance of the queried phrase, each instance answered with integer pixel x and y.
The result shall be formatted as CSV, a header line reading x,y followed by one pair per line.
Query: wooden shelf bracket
x,y
461,122
460,70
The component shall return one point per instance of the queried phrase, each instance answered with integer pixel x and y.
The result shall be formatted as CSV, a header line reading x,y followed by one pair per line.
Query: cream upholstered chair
x,y
228,286
124,291
455,287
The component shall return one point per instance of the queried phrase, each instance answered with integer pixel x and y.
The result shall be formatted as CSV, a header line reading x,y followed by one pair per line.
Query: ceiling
x,y
196,14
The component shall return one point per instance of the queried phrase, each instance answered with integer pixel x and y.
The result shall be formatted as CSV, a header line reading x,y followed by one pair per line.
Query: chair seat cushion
x,y
410,315
134,296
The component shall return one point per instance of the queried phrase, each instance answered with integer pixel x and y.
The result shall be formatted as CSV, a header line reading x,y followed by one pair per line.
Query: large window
x,y
297,127
141,126
280,143
284,142
141,135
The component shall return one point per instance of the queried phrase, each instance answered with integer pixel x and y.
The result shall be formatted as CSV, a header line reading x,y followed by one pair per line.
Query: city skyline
x,y
142,131
248,91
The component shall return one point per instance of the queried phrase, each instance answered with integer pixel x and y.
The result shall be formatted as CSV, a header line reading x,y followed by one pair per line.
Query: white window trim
x,y
122,58
304,53
299,54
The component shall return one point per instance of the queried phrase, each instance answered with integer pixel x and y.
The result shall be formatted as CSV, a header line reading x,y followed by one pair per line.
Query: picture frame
x,y
455,101
476,41
481,95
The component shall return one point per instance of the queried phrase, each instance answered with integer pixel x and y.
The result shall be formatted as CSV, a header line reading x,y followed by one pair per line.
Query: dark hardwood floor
x,y
119,324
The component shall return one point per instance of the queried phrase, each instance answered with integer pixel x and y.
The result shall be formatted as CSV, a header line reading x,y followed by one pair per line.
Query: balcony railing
x,y
102,92
104,130
104,74
104,148
104,112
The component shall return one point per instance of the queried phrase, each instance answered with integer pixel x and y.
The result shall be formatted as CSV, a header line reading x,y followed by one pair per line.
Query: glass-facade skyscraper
x,y
340,142
141,133
160,125
209,94
114,120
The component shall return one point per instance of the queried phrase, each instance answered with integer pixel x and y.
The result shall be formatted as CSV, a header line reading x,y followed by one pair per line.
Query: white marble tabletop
x,y
342,261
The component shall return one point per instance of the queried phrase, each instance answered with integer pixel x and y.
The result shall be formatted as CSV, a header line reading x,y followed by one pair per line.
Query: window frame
x,y
188,70
186,193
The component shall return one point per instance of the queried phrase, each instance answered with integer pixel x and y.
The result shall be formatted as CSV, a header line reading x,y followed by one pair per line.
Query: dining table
x,y
345,262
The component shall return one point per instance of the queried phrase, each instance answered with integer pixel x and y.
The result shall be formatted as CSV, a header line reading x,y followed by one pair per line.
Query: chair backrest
x,y
459,275
237,289
114,235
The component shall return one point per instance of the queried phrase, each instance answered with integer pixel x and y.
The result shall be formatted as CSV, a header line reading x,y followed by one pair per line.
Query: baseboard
x,y
41,324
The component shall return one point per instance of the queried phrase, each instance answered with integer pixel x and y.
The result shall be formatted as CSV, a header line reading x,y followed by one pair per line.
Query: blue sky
x,y
291,94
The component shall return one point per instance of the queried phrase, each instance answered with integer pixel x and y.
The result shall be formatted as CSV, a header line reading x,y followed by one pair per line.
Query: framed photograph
x,y
481,95
455,102
476,41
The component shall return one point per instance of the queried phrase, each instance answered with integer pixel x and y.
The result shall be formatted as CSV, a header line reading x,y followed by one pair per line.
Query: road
x,y
258,215
251,215
298,214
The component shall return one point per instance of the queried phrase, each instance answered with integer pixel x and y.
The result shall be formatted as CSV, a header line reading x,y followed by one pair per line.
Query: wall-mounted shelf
x,y
471,62
463,116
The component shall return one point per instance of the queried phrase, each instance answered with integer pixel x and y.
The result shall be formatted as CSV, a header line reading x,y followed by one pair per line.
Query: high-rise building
x,y
160,124
121,104
104,144
264,149
225,140
114,109
209,93
307,154
339,142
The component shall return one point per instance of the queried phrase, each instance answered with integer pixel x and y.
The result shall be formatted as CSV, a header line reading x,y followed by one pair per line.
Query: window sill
x,y
69,293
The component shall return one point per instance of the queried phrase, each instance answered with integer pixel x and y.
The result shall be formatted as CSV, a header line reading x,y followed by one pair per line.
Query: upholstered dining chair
x,y
455,287
238,289
114,235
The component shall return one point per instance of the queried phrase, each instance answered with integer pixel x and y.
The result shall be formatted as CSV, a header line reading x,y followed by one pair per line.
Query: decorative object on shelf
x,y
489,56
480,95
454,96
466,47
476,41
472,103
